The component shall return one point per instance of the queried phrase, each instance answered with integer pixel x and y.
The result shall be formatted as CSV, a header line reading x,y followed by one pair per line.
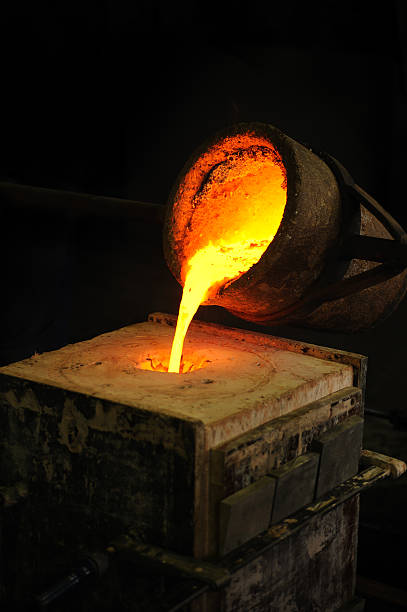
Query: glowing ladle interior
x,y
236,215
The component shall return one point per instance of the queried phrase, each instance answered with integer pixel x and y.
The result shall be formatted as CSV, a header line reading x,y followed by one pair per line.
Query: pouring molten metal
x,y
237,212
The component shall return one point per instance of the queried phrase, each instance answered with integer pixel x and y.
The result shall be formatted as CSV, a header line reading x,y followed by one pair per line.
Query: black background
x,y
112,100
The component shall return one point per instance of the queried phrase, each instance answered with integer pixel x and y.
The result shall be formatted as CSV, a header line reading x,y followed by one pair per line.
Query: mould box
x,y
130,447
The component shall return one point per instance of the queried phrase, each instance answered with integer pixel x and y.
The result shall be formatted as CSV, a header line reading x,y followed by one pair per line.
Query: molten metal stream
x,y
246,201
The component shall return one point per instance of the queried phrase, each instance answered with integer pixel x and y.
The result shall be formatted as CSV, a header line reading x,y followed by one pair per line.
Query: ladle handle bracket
x,y
383,250
392,254
357,195
355,246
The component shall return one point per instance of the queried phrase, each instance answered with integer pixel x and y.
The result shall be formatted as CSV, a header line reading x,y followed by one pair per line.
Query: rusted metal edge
x,y
218,574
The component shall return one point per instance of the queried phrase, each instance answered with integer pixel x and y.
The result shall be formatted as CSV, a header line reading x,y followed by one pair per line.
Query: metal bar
x,y
77,205
129,547
383,250
394,467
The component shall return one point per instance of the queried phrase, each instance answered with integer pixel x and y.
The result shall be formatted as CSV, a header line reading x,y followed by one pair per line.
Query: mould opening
x,y
156,362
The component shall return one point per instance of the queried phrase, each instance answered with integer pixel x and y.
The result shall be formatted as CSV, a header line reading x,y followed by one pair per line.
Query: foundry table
x,y
241,473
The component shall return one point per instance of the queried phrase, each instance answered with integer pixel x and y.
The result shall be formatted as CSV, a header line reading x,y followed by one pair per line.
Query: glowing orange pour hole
x,y
159,363
237,214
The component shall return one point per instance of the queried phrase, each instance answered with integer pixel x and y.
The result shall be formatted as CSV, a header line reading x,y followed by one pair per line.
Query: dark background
x,y
111,101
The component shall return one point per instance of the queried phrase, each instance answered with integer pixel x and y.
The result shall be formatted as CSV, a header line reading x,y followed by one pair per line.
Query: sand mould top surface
x,y
243,376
